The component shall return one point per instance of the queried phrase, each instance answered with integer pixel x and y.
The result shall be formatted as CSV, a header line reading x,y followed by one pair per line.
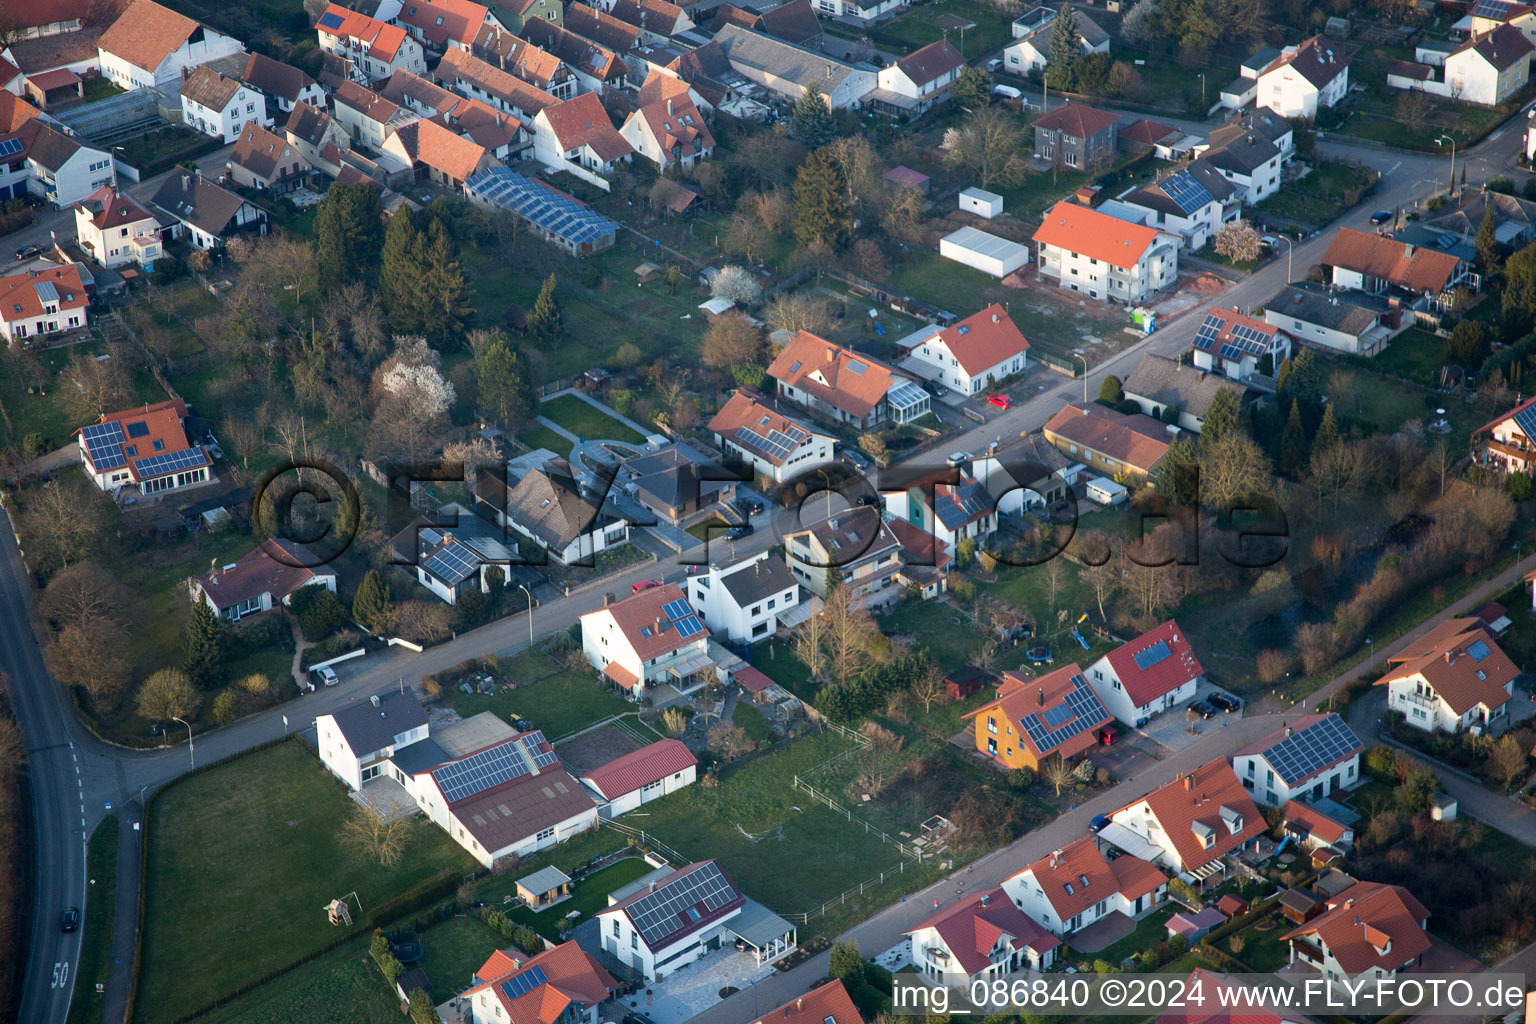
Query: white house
x,y
744,601
1509,442
1343,321
1312,757
1153,673
647,639
576,135
1189,825
1175,392
1032,30
1238,346
145,448
266,576
1193,202
443,24
55,167
1105,257
1305,77
865,10
1455,677
207,215
356,741
980,939
1370,930
149,46
848,387
37,303
777,447
1250,161
666,126
671,921
1076,886
549,506
641,776
219,105
115,230
1487,69
917,81
860,544
368,118
451,560
283,85
974,354
379,49
942,506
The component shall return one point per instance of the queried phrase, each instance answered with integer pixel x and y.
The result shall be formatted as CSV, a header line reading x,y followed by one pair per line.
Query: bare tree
x,y
1058,773
91,387
82,593
375,830
1507,762
63,521
850,636
1233,468
730,741
168,694
90,654
772,209
880,759
1413,108
862,169
902,217
745,236
990,145
732,339
809,643
1337,469
928,688
799,311
1053,571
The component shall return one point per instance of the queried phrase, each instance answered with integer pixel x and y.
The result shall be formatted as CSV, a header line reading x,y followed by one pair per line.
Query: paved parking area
x,y
695,988
1170,730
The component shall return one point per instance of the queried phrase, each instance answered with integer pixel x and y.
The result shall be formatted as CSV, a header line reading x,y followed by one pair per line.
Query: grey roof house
x,y
207,215
1159,384
788,69
550,507
1353,322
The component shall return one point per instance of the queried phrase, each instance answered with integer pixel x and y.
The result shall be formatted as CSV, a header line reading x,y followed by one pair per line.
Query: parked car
x,y
738,532
327,675
751,506
1381,216
1270,242
1224,701
70,919
855,458
1001,401
955,458
1202,708
28,252
639,585
637,1018
872,500
1098,823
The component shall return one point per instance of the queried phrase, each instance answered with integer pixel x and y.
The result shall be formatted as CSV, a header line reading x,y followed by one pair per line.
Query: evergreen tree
x,y
1062,54
504,380
846,960
972,87
1178,477
821,203
347,234
1327,432
546,321
811,124
400,280
1111,391
1283,375
373,603
1293,442
1487,245
202,647
1220,417
444,292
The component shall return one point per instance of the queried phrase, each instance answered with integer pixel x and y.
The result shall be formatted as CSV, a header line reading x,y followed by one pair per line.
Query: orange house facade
x,y
1032,720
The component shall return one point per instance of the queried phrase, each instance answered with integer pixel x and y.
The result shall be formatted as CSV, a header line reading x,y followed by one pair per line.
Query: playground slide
x,y
1079,638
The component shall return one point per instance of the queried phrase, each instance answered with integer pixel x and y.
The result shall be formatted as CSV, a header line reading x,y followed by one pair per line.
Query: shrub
x,y
319,612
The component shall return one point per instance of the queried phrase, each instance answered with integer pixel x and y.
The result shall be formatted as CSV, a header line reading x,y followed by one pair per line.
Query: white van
x,y
1105,491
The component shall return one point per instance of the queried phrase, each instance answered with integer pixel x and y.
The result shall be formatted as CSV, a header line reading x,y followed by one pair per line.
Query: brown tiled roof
x,y
657,16
522,808
1502,48
457,66
192,199
1364,918
570,975
747,408
308,123
444,20
853,535
1134,440
673,119
577,51
1136,877
971,928
48,52
1316,59
109,208
830,1002
1414,268
1147,132
547,502
519,57
984,339
841,377
931,62
1020,696
1445,658
1199,797
266,569
600,27
582,121
366,101
637,617
37,13
1061,875
146,33
794,22
1408,69
275,77
1077,120
1314,821
207,87
262,152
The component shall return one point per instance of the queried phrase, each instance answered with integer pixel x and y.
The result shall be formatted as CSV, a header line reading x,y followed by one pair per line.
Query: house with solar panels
x,y
563,985
1453,678
1193,202
146,449
660,924
648,639
559,219
1154,673
777,447
1189,825
1507,443
37,303
1307,759
451,560
1034,720
1077,886
748,600
377,48
1238,346
951,508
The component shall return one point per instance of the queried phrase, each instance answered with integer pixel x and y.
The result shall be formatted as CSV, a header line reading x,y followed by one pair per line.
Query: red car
x,y
1001,401
644,585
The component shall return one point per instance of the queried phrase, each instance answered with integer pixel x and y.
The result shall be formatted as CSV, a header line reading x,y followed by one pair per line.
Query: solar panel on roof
x,y
1158,652
773,448
688,626
1497,10
477,773
1303,753
453,564
1186,192
170,462
10,146
1478,651
675,609
522,984
1210,330
46,291
103,443
1079,711
330,20
660,913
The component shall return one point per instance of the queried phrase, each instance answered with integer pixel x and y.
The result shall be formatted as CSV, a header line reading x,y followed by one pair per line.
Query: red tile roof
x,y
443,20
19,298
1443,658
1214,1009
1019,696
148,426
1061,875
641,768
1199,797
1077,120
1230,320
747,408
366,102
1136,440
601,28
1315,822
571,974
457,66
383,40
1363,919
109,208
753,679
984,339
638,616
430,144
1146,132
1144,685
582,121
830,1002
1507,416
15,112
1097,235
674,120
1414,268
970,929
146,33
841,377
277,567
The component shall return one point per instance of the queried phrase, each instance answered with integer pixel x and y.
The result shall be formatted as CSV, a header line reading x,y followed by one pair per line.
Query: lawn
x,y
588,895
241,861
908,32
1415,355
702,531
169,144
586,420
452,951
1149,931
536,435
1328,191
1263,949
752,721
554,700
91,970
42,412
345,981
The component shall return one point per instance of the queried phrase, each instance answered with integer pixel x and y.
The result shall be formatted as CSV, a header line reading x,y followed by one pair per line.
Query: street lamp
x,y
530,612
191,749
1202,86
1372,641
1447,138
1078,354
1288,246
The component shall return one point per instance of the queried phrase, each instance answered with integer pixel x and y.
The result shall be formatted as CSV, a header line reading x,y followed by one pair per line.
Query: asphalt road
x,y
74,776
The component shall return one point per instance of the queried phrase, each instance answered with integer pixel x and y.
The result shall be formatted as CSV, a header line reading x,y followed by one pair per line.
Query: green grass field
x,y
537,435
345,981
752,721
242,859
100,907
452,951
559,702
990,29
1322,195
42,412
584,420
1415,355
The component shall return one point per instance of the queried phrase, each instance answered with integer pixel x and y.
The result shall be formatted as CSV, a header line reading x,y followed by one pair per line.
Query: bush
x,y
1020,779
262,633
319,612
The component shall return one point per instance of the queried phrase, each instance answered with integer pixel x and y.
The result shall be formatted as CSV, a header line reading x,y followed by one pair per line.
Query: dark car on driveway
x,y
1381,216
1202,708
1225,702
27,252
738,532
751,506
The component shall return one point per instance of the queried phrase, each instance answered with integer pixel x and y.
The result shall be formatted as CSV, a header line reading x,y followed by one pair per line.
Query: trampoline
x,y
408,952
1039,655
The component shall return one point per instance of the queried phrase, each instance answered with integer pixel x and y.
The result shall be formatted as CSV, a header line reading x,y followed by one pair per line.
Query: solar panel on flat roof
x,y
1304,752
1158,652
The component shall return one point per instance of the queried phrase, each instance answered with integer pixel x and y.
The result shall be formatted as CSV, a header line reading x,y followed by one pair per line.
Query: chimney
x,y
986,898
1350,903
653,887
829,72
374,700
799,1003
1040,698
1287,730
186,182
1189,783
658,624
607,600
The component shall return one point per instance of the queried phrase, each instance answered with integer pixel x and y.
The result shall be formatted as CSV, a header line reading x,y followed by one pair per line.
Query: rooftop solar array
x,y
1525,419
688,625
776,444
10,146
1079,712
675,609
1205,337
330,20
522,984
462,779
675,905
1245,341
1302,753
1158,652
453,563
46,291
1186,192
170,462
1498,10
542,206
104,445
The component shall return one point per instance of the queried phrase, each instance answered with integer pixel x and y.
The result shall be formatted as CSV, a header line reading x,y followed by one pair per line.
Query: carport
x,y
766,934
1119,836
